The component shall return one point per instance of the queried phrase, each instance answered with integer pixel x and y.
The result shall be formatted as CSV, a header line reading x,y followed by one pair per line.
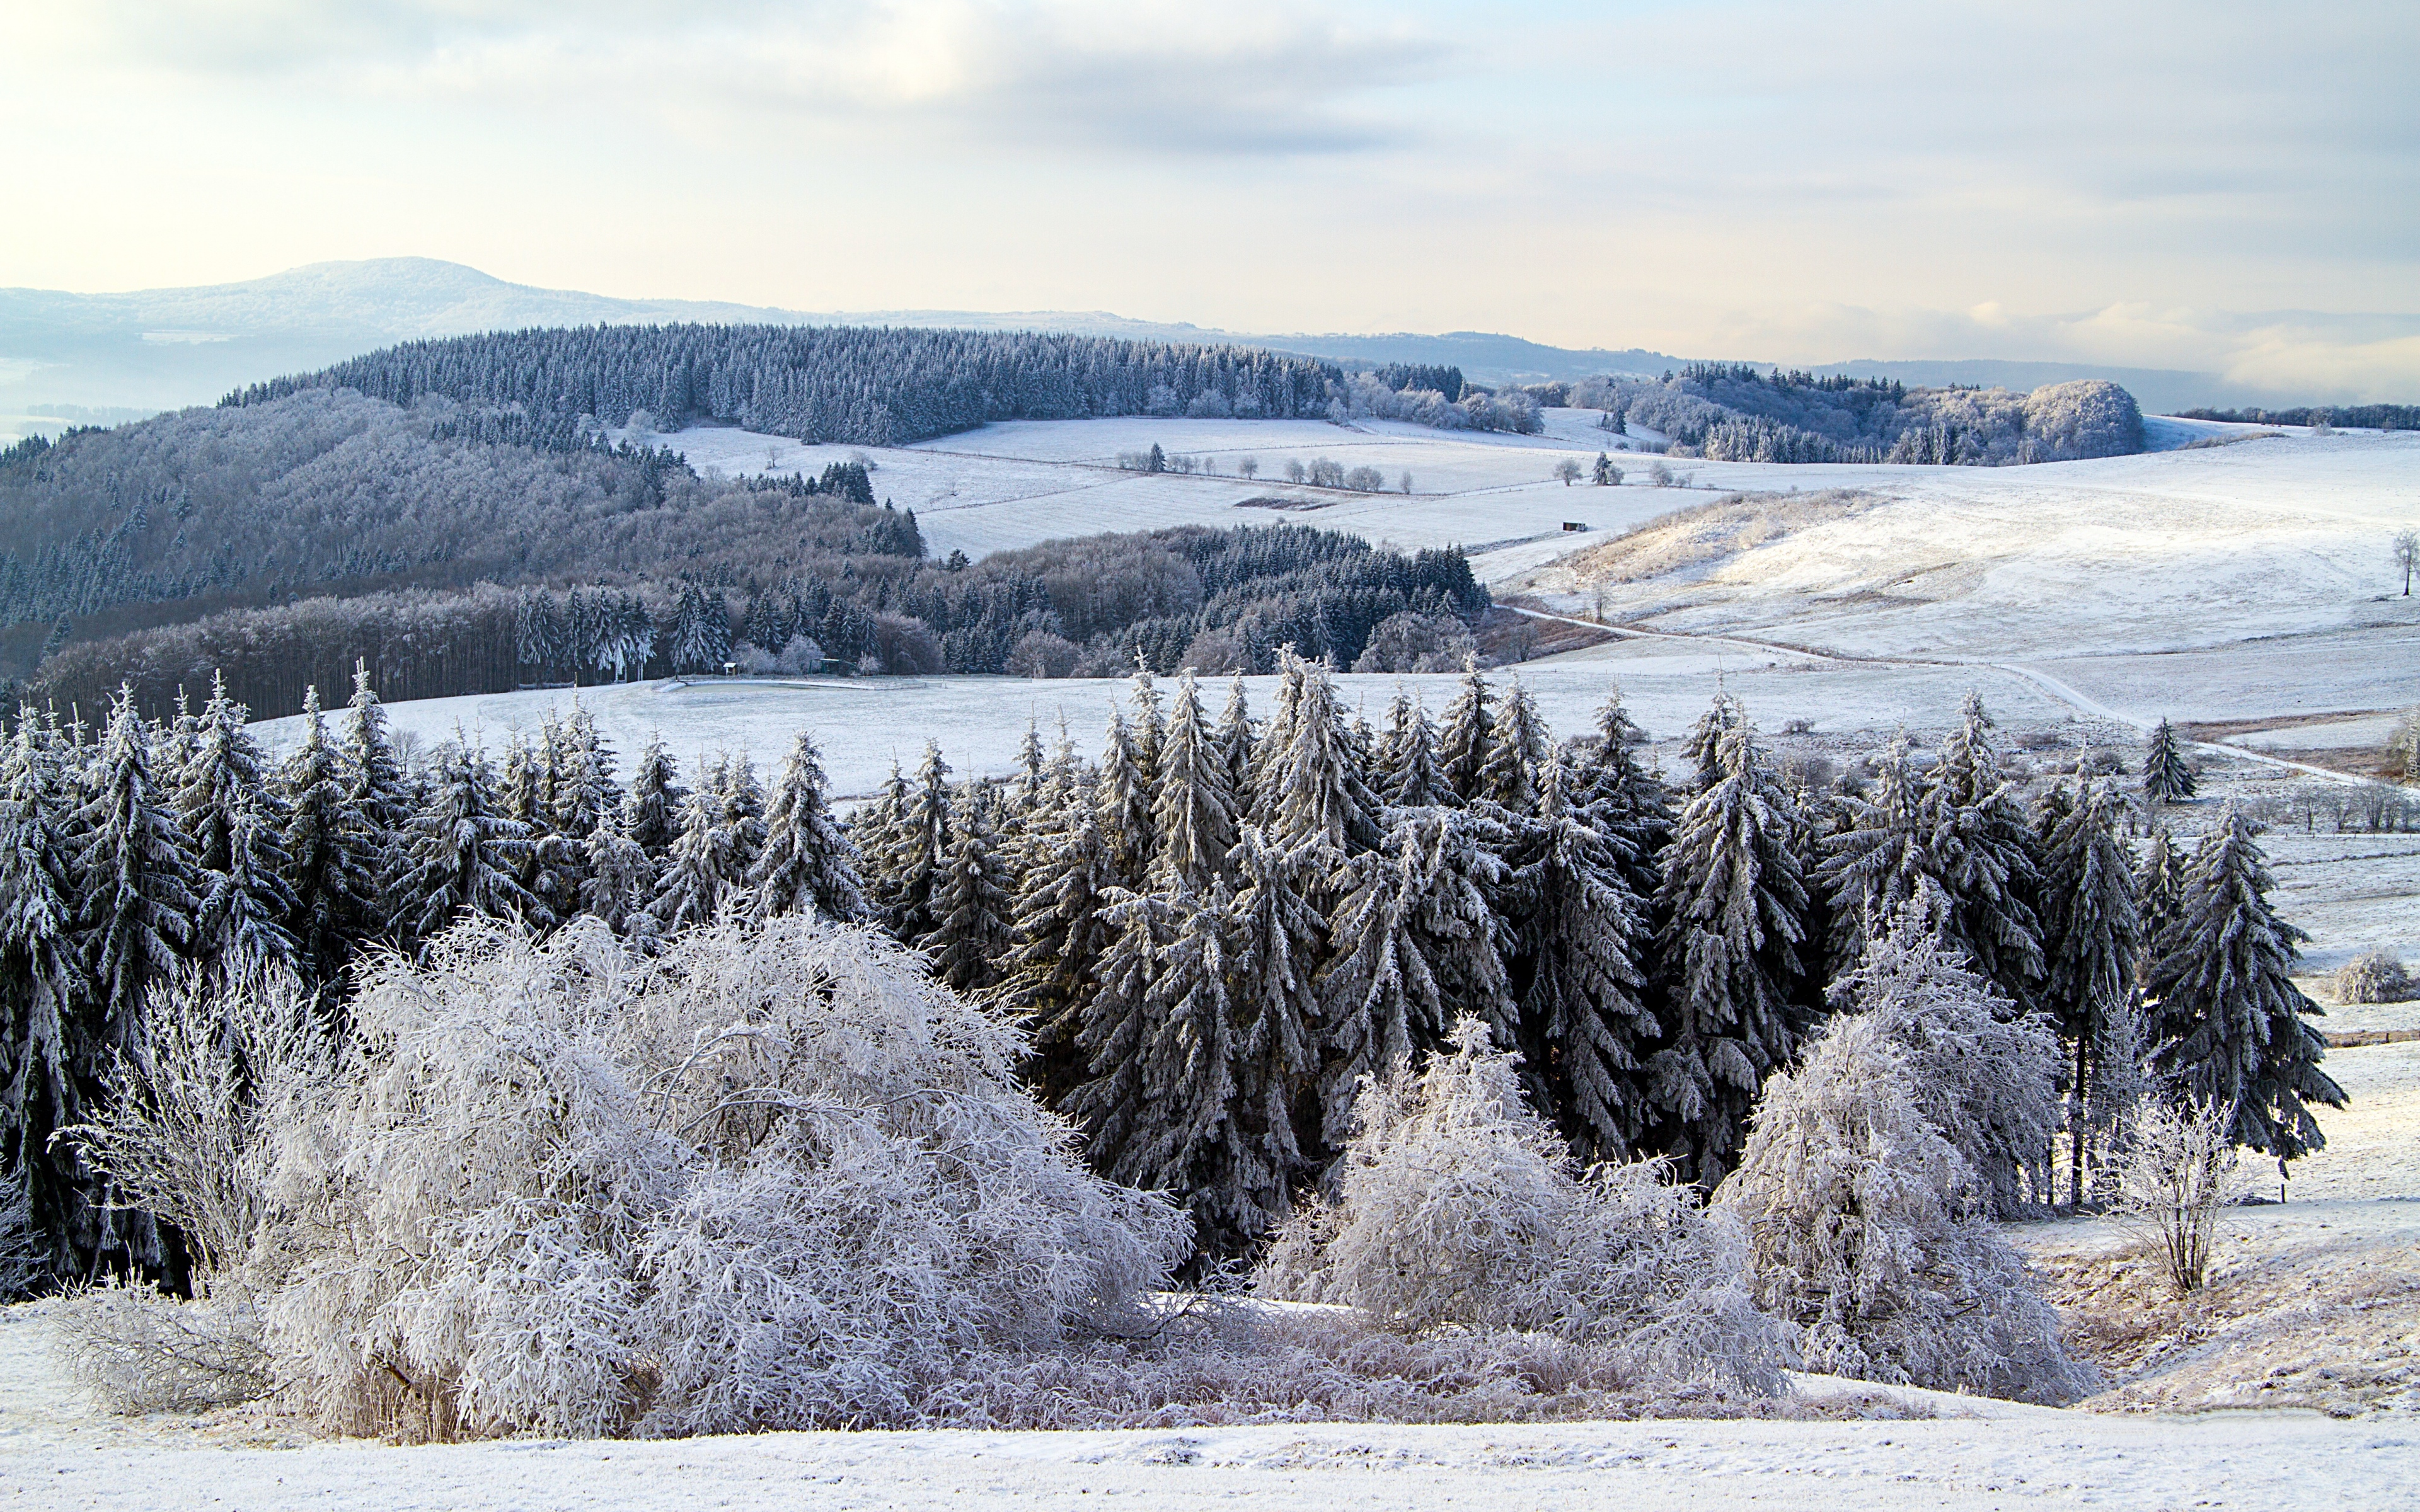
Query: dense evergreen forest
x,y
1212,932
554,388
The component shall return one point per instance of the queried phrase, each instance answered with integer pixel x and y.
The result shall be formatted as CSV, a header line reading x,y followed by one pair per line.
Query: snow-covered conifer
x,y
1322,800
1704,746
701,871
233,821
2160,884
1380,1001
1123,793
1194,814
743,807
1275,942
1517,749
331,857
916,852
1733,904
135,876
2167,777
1150,723
653,814
1233,739
972,930
2230,1023
806,861
1986,859
1576,977
1469,735
1622,797
1060,937
620,878
462,854
2094,929
48,1054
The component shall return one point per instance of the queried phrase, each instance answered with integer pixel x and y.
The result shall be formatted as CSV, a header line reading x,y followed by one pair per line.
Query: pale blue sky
x,y
2147,184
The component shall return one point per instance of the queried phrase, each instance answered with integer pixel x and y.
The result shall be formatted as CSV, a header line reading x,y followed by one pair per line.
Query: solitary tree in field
x,y
2167,778
2407,557
1569,471
1248,468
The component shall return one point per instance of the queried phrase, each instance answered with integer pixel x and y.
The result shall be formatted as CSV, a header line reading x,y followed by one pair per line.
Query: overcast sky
x,y
2208,185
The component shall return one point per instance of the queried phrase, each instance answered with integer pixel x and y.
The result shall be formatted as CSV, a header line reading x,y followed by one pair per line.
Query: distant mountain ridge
x,y
164,349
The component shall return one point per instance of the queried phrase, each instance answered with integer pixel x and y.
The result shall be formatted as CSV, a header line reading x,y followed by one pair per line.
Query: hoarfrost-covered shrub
x,y
769,1177
1983,1075
1866,1232
2178,1166
1415,643
136,1351
1457,1206
2374,977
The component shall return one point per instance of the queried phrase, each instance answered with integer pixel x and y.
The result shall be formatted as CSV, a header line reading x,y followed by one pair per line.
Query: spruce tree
x,y
806,863
2160,884
1416,778
619,878
331,857
135,876
1324,808
653,816
1704,746
1576,979
1380,1003
2230,1023
462,854
2094,928
971,933
378,791
2167,778
1468,736
1193,815
1733,904
915,854
233,823
1986,859
743,808
1123,793
1115,1033
1623,799
1517,748
1274,940
703,870
1061,935
1233,739
48,1057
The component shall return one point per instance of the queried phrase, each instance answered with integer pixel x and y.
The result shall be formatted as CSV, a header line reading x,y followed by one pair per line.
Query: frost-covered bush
x,y
136,1350
2177,1168
800,655
1867,1231
769,1177
2374,977
1458,1206
1416,643
1983,1075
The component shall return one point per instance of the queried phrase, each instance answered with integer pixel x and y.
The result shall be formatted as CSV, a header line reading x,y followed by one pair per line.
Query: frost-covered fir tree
x,y
806,862
1415,777
653,813
1024,797
1623,797
1062,935
1150,723
703,870
1380,1003
1233,739
1123,793
972,933
1702,748
331,857
2231,1025
1986,859
1734,903
1323,807
377,788
1276,735
1275,942
906,870
462,854
1193,814
2167,777
743,807
1576,979
135,878
1469,735
2094,929
2159,883
619,878
49,1054
1517,749
233,819
585,790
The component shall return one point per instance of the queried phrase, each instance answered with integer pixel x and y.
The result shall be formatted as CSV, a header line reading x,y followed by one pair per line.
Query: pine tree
x,y
1468,736
135,876
1234,742
2094,928
2229,1018
1062,933
971,933
1275,940
653,816
1194,812
1324,808
806,863
1576,979
1417,777
377,788
1517,749
462,854
1623,799
1734,903
48,1054
332,858
743,808
233,824
701,871
916,853
2167,775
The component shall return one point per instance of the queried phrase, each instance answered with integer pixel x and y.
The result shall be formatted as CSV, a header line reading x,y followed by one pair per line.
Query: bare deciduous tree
x,y
2407,557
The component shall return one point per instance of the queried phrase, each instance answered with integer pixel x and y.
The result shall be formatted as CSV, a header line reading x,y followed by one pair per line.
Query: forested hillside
x,y
1738,413
554,388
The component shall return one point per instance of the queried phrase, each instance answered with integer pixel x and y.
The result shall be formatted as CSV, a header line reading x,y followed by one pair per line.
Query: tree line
x,y
1213,929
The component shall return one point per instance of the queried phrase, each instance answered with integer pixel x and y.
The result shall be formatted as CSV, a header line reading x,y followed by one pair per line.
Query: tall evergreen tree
x,y
1735,902
233,823
1124,794
806,862
332,858
1273,944
2230,1023
743,807
377,789
1193,815
1622,797
971,933
1416,778
619,880
1704,746
1469,735
703,870
1517,748
1989,862
462,854
916,853
2160,884
654,814
136,877
1324,808
49,1054
1062,935
1233,739
2167,777
2095,932
1576,979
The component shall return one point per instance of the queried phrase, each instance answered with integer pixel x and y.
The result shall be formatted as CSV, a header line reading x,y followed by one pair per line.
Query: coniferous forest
x,y
1215,932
